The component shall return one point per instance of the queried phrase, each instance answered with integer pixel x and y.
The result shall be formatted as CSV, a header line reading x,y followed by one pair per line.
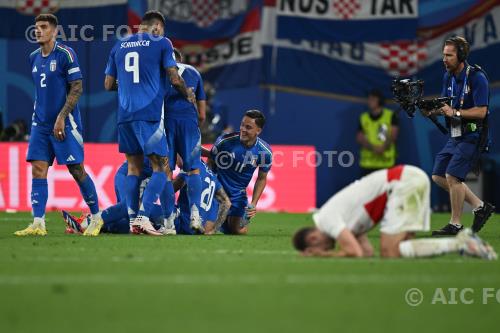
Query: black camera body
x,y
408,94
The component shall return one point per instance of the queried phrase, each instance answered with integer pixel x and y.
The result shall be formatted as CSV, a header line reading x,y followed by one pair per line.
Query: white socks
x,y
96,216
39,221
428,247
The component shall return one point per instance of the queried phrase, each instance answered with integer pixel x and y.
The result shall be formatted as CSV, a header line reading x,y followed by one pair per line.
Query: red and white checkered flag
x,y
402,58
35,7
205,12
346,9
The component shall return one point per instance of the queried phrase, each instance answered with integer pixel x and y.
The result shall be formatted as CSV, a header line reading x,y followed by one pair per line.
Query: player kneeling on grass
x,y
398,200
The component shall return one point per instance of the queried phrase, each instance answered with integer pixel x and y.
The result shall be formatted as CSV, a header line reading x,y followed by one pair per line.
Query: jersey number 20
x,y
132,65
207,195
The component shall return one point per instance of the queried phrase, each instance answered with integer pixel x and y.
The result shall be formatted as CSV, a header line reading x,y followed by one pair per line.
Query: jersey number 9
x,y
132,65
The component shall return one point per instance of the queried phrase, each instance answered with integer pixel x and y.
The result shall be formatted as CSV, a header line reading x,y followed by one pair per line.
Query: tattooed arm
x,y
224,205
75,91
178,82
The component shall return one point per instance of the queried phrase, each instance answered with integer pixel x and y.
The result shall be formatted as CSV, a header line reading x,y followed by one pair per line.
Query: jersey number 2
x,y
42,80
132,65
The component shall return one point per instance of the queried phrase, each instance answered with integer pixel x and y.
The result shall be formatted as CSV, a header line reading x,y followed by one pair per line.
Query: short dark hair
x,y
177,54
51,18
461,45
379,94
258,116
152,15
299,239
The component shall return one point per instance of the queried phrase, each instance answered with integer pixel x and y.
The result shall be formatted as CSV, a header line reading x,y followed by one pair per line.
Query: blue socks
x,y
152,192
39,196
133,184
193,183
167,199
89,194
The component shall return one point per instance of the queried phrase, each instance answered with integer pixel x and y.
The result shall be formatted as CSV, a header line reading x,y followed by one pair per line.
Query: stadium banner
x,y
222,39
198,20
353,68
75,16
291,183
347,20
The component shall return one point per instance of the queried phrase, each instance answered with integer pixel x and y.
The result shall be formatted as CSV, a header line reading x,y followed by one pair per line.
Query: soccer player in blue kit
x,y
234,157
182,122
137,68
212,212
56,130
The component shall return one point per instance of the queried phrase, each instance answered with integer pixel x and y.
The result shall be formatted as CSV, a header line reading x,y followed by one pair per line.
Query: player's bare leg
x,y
39,194
233,226
389,244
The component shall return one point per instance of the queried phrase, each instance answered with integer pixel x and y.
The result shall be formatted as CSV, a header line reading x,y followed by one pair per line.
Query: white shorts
x,y
408,204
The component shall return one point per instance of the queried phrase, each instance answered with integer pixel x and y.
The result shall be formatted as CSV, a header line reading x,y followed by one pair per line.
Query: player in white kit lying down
x,y
398,200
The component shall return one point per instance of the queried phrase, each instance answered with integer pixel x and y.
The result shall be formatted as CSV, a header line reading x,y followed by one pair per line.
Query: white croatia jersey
x,y
359,206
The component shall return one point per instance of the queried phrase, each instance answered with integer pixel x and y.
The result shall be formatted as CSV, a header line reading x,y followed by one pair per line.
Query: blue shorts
x,y
142,137
43,146
238,205
456,158
184,138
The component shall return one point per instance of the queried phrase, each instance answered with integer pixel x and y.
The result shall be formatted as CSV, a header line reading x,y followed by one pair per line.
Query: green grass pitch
x,y
254,283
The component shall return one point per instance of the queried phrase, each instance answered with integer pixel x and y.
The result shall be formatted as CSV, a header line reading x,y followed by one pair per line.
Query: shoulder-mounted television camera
x,y
408,94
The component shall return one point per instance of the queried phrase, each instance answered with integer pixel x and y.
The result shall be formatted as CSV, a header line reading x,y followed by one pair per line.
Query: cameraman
x,y
467,121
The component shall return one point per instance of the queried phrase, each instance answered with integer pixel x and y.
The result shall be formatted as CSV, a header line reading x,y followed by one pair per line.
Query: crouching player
x,y
116,218
398,200
234,157
213,213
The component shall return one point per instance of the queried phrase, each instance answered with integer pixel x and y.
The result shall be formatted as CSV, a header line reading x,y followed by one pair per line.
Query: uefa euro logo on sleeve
x,y
53,65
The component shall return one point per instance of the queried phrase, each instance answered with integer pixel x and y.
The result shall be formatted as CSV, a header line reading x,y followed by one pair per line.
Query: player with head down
x,y
137,68
397,199
212,212
56,130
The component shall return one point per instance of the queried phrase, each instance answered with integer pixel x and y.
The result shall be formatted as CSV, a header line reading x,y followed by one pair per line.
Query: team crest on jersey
x,y
53,65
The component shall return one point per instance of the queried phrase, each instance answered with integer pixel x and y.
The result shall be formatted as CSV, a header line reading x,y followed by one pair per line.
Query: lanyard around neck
x,y
464,87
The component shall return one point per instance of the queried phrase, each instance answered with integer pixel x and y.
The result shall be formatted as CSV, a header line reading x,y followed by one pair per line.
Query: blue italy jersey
x,y
476,90
176,105
209,205
51,76
138,63
235,163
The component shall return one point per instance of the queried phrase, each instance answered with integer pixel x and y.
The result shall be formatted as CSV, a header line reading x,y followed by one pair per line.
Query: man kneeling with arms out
x,y
397,199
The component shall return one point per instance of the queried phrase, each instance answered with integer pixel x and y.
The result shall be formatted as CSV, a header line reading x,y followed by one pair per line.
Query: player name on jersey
x,y
139,43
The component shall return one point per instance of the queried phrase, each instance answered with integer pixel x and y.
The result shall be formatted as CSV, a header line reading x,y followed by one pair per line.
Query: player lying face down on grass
x,y
397,199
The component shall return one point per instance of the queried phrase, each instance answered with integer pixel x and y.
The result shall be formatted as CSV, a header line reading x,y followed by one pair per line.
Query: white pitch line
x,y
251,279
